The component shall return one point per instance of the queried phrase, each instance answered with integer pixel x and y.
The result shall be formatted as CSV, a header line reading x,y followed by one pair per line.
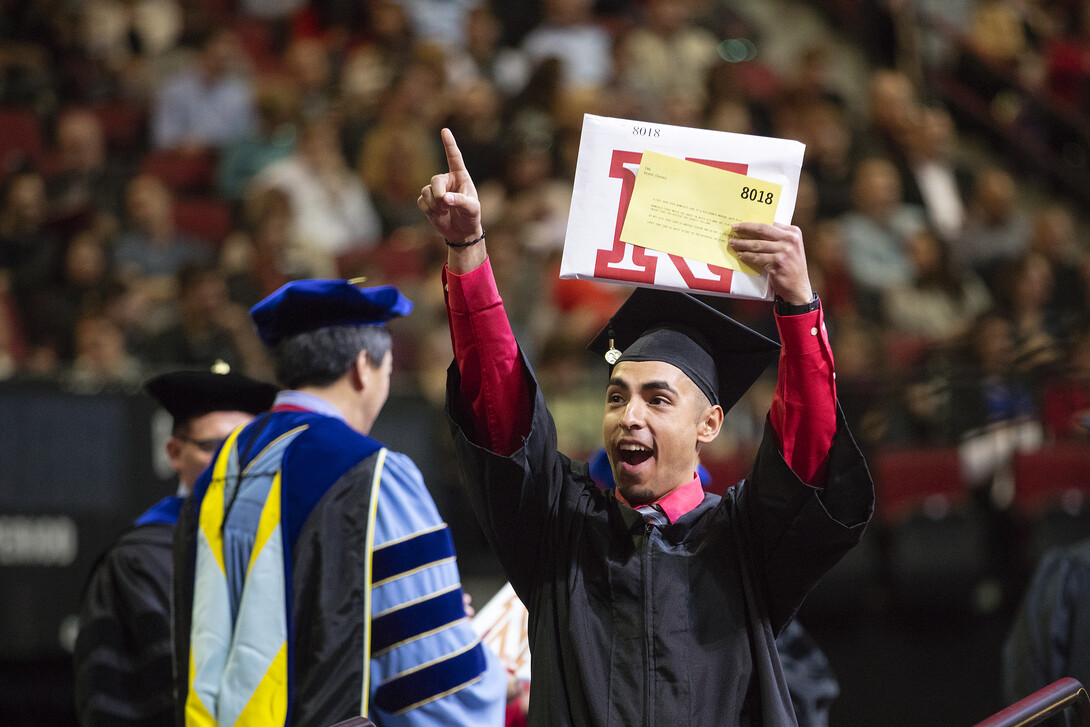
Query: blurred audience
x,y
101,359
667,54
28,248
996,230
570,34
274,139
939,182
1066,399
940,303
150,250
877,230
396,161
332,210
208,105
85,181
210,328
956,295
78,284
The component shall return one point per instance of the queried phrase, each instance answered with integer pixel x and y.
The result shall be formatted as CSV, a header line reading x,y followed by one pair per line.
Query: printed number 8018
x,y
756,195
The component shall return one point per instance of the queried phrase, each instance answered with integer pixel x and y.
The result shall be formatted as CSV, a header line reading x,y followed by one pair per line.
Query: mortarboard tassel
x,y
612,354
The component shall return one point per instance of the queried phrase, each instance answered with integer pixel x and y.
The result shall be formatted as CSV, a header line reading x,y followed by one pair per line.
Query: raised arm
x,y
803,412
493,389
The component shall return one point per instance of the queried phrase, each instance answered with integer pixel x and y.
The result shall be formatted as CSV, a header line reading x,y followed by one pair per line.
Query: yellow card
x,y
687,208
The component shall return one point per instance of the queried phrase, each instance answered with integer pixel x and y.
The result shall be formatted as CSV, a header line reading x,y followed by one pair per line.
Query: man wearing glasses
x,y
122,655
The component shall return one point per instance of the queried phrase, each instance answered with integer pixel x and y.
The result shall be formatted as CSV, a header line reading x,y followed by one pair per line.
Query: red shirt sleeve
x,y
803,412
494,391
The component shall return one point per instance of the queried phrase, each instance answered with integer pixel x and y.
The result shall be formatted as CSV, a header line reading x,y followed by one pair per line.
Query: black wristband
x,y
464,244
784,308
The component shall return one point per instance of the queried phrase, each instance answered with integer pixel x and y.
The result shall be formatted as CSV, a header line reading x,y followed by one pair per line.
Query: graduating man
x,y
122,655
315,579
654,604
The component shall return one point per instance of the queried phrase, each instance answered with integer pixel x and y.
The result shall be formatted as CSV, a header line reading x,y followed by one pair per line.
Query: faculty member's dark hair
x,y
320,357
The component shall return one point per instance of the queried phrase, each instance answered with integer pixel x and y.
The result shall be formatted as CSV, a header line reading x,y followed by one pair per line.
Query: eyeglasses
x,y
208,446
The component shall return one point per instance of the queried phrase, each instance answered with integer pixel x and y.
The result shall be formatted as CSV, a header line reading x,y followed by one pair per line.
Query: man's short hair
x,y
320,357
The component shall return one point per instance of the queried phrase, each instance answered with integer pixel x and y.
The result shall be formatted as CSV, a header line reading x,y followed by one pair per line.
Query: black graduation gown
x,y
122,655
632,626
1050,636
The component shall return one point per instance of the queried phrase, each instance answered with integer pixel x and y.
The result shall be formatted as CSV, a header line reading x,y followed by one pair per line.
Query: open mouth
x,y
633,455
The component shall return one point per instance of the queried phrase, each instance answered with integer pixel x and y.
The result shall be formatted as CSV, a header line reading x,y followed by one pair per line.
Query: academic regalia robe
x,y
122,654
426,664
1049,636
632,625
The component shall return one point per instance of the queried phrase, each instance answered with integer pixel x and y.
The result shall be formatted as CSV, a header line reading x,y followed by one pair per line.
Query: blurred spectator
x,y
270,9
830,273
128,36
208,105
127,307
10,353
531,195
85,181
28,250
310,75
992,404
570,34
27,32
75,287
370,67
939,49
210,328
667,54
877,230
861,379
439,21
396,161
812,82
539,102
259,259
806,202
1023,292
568,379
938,180
477,123
1066,399
151,251
333,213
418,93
892,111
828,139
101,359
1068,63
12,341
486,59
1054,238
277,107
996,230
997,33
730,106
942,300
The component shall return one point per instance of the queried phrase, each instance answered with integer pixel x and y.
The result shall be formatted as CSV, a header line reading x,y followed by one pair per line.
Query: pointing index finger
x,y
454,154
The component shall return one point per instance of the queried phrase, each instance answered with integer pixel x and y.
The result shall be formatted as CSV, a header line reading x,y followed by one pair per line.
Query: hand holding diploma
x,y
778,249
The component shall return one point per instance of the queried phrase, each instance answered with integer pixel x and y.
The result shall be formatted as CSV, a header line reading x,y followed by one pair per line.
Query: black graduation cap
x,y
307,305
721,356
187,395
